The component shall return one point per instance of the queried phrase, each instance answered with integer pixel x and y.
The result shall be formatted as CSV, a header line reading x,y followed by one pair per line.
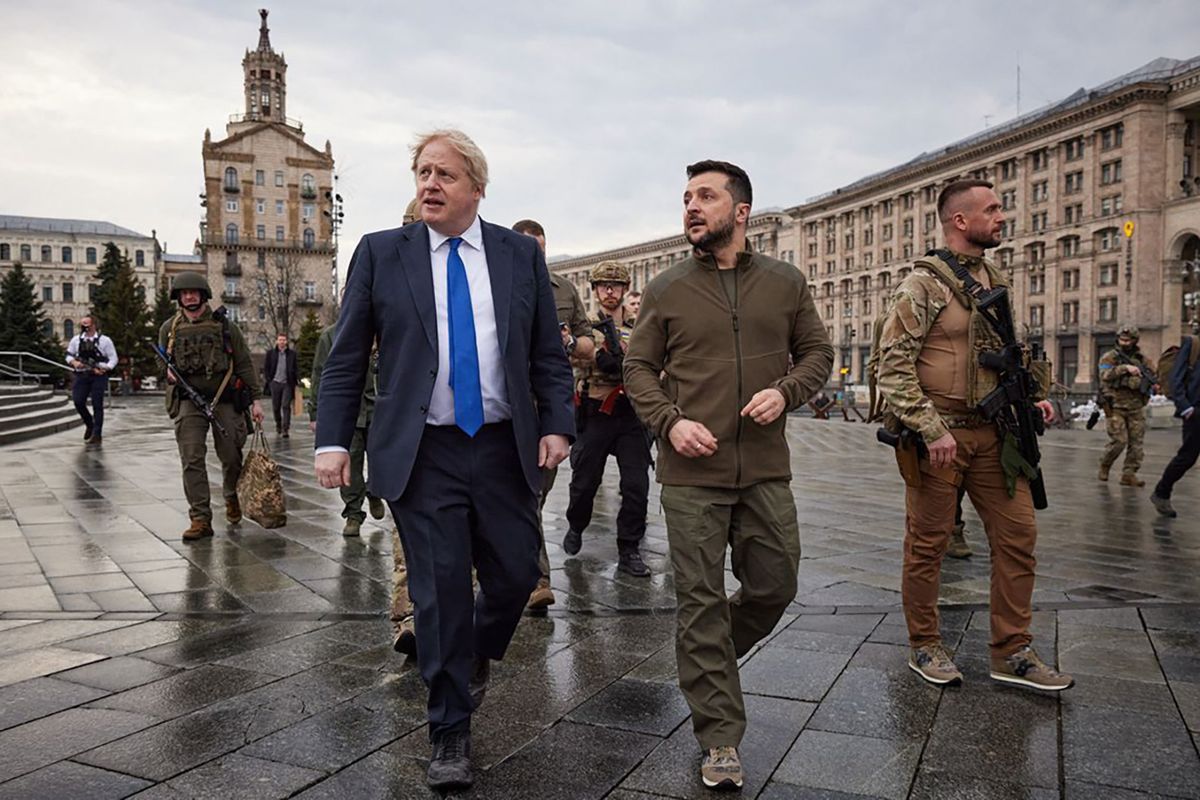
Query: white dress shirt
x,y
103,344
487,341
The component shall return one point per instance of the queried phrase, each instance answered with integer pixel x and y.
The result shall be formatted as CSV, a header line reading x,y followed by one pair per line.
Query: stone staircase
x,y
30,411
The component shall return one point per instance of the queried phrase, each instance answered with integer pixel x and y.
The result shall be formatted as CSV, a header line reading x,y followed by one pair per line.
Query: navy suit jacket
x,y
389,296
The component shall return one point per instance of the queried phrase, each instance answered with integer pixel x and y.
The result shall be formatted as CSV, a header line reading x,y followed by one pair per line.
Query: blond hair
x,y
477,168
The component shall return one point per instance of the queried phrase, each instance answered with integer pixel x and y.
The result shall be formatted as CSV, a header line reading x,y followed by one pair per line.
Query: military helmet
x,y
609,271
191,280
1129,330
412,213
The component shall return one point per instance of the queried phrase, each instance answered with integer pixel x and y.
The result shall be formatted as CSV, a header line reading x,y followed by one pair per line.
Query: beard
x,y
715,237
984,241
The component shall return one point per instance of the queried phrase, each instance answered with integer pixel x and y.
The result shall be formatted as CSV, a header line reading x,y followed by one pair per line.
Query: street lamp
x,y
336,216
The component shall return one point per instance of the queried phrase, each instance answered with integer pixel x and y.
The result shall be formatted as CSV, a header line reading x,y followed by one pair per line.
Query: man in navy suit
x,y
474,398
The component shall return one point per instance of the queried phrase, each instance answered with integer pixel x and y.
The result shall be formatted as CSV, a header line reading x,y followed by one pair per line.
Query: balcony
x,y
231,188
308,193
231,297
315,302
231,270
277,245
291,123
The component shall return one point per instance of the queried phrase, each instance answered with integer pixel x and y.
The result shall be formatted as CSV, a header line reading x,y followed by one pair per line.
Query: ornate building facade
x,y
1074,178
268,246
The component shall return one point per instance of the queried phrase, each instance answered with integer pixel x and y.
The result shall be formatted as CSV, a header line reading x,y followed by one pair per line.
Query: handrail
x,y
22,355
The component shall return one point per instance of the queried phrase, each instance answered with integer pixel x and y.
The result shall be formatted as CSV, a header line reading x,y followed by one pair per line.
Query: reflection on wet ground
x,y
256,664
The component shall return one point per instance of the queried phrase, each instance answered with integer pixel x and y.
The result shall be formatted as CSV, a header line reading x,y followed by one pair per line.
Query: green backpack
x,y
1166,364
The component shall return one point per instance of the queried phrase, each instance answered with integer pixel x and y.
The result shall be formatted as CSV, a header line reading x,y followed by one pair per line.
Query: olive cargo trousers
x,y
1011,532
713,630
191,434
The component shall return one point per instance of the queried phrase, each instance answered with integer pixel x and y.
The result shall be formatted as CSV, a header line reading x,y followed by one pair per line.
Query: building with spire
x,y
269,249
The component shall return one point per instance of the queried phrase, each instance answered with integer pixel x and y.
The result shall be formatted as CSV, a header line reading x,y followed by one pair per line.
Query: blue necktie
x,y
464,356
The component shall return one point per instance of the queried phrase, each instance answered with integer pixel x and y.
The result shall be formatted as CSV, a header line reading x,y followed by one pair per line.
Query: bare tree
x,y
279,288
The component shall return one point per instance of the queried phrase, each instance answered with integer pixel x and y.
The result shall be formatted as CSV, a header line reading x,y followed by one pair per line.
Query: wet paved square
x,y
257,664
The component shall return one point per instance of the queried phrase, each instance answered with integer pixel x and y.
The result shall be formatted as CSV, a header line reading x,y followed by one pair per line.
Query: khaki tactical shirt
x,y
1119,386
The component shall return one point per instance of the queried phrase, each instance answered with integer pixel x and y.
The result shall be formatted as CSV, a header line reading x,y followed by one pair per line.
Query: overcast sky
x,y
588,112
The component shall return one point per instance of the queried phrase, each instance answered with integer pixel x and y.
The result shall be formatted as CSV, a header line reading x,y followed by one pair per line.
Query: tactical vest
x,y
89,350
593,376
199,349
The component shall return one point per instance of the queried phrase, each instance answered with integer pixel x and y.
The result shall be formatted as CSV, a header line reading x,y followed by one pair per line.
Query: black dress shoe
x,y
95,439
479,680
572,541
87,432
632,564
450,765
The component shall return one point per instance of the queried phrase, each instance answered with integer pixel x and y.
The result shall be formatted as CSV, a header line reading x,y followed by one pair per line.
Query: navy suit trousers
x,y
466,503
90,385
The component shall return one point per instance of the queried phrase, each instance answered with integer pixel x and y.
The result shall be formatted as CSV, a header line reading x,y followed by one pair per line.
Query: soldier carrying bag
x,y
260,487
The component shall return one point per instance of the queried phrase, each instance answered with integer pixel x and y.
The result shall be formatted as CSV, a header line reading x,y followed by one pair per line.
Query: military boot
x,y
1131,479
233,510
1103,472
199,529
353,527
958,547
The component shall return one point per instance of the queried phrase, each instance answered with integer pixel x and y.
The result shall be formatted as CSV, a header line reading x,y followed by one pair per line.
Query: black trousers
x,y
1184,459
466,503
620,434
281,404
88,384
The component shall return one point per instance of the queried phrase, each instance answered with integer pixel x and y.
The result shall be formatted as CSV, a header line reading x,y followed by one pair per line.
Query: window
x,y
908,250
310,290
1070,279
279,233
1035,253
812,272
68,329
1109,239
1006,229
1112,136
231,234
1008,199
260,177
930,221
92,288
1068,246
309,213
829,311
308,186
1040,159
887,254
812,229
46,255
866,305
930,194
1037,316
869,237
1108,274
848,264
231,179
885,280
888,207
1005,256
260,231
908,227
278,206
1008,169
1074,148
309,238
262,313
48,328
868,213
279,177
139,258
66,255
260,206
848,240
231,286
1038,221
930,244
231,206
26,253
1073,182
262,259
887,231
1110,205
1108,309
830,266
906,201
812,249
847,311
1070,313
1037,283
47,294
68,292
868,259
1041,190
1110,172
1073,215
5,252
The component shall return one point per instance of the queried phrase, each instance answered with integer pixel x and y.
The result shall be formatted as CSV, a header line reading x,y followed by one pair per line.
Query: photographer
x,y
92,355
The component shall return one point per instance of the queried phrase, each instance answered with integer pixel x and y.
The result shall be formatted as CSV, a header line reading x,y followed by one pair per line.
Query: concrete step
x,y
10,398
35,413
64,423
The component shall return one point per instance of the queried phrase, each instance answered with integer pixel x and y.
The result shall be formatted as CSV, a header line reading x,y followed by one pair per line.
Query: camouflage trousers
x,y
191,434
1126,429
401,604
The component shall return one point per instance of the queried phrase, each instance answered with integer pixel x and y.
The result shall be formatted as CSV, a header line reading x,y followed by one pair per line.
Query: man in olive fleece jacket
x,y
708,371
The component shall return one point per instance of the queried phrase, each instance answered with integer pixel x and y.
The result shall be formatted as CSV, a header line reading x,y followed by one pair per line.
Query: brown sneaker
x,y
1024,668
721,768
199,529
542,596
1131,479
958,547
233,510
405,640
376,507
933,663
1103,472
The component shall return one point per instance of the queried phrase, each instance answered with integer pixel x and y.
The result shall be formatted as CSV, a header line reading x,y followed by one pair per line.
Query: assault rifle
x,y
203,406
1149,379
611,358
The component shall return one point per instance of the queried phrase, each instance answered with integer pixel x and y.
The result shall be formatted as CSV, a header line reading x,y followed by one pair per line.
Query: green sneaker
x,y
933,663
1024,668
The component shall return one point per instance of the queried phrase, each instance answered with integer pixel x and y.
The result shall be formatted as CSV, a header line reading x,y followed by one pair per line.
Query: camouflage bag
x,y
260,487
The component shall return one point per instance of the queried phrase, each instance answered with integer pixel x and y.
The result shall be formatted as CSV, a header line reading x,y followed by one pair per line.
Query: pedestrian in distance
x,y
92,356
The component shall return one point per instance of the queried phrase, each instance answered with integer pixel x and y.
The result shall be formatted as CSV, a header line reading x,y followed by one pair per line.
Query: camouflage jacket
x,y
367,408
1120,388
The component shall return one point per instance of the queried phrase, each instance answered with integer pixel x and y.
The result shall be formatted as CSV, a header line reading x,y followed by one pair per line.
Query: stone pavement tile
x,y
29,598
34,578
1180,667
1104,662
659,668
99,582
347,732
76,781
932,785
184,692
380,776
237,776
199,601
623,794
888,705
786,791
861,765
47,740
295,600
144,635
844,624
879,656
598,757
493,739
117,674
633,705
54,631
353,593
40,697
122,600
819,641
1092,791
308,567
1179,618
673,768
1126,618
186,742
794,674
178,577
1187,695
995,732
1098,746
226,640
298,653
1137,696
36,663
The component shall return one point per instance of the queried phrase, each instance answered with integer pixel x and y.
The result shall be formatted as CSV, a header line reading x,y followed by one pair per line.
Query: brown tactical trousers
x,y
1011,532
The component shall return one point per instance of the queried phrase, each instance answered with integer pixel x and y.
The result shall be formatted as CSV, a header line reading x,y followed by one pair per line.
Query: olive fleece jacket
x,y
714,347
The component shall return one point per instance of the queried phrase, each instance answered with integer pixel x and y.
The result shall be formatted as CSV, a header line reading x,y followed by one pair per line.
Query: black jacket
x,y
1185,383
272,361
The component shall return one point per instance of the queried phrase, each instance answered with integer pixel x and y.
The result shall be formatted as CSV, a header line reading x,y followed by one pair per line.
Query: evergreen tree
x,y
23,321
164,306
306,345
126,319
106,274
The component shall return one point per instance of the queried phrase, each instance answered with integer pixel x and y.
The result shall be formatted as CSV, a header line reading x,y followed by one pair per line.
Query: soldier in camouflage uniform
x,y
930,378
609,425
576,334
1125,393
212,357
